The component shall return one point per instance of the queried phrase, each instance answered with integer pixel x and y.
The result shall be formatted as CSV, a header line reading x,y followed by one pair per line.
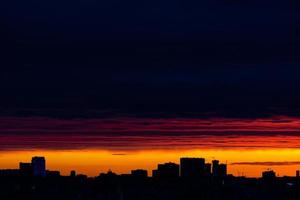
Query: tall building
x,y
215,167
207,169
297,173
167,170
192,167
38,166
222,170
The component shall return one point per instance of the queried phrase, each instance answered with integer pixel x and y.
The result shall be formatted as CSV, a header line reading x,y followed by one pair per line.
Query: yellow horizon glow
x,y
91,161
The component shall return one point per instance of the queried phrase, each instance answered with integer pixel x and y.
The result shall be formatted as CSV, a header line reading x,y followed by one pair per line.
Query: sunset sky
x,y
91,146
98,85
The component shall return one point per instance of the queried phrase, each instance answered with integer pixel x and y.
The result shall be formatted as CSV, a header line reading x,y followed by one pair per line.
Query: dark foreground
x,y
126,187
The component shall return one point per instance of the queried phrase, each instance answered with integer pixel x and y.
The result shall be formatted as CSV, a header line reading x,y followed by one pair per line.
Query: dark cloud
x,y
268,163
134,134
122,32
225,57
241,91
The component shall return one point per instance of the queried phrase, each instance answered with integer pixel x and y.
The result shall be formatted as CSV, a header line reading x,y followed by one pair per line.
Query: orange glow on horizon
x,y
92,162
91,146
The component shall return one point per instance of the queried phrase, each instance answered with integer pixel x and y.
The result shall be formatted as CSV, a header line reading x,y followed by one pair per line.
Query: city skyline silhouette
x,y
117,95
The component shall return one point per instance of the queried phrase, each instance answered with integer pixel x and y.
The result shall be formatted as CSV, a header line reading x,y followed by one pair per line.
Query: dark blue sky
x,y
222,57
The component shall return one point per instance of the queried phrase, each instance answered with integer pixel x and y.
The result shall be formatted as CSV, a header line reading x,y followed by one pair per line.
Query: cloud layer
x,y
149,133
268,163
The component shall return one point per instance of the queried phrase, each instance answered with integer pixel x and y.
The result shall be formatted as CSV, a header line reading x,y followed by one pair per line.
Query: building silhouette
x,y
73,173
139,173
218,170
50,173
268,175
215,167
207,169
166,184
222,170
25,169
38,166
9,172
192,167
167,170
